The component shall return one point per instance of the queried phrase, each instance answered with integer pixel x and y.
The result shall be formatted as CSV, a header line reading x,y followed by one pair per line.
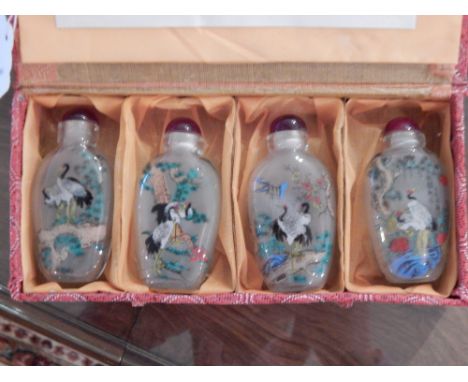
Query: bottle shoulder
x,y
281,159
404,157
182,158
190,165
81,151
77,158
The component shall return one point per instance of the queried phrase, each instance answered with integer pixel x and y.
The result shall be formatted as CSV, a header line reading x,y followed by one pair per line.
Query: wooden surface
x,y
366,334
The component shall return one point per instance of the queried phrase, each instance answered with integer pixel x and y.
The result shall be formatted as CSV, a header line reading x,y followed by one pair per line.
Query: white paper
x,y
354,22
6,48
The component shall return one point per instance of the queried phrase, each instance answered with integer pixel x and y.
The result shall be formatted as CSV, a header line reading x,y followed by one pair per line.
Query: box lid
x,y
419,61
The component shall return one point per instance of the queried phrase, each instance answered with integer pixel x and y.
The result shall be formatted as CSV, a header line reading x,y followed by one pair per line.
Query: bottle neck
x,y
188,142
287,140
405,139
83,133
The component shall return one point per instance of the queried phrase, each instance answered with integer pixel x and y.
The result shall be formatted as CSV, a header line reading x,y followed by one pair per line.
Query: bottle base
x,y
71,281
173,287
429,278
294,288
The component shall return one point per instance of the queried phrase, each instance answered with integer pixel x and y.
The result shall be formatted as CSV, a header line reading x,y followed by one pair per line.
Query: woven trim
x,y
461,70
382,91
458,150
18,112
459,91
343,299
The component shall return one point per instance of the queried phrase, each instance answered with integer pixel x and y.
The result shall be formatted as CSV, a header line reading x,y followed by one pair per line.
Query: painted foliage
x,y
174,250
409,198
79,227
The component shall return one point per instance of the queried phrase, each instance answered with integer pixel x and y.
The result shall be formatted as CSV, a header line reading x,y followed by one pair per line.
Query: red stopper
x,y
287,123
401,124
183,125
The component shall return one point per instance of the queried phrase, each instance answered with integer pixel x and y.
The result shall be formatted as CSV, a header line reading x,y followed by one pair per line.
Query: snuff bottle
x,y
408,204
292,211
72,204
178,209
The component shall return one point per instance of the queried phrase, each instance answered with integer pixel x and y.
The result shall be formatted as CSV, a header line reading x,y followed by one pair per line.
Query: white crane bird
x,y
168,217
417,217
67,191
293,228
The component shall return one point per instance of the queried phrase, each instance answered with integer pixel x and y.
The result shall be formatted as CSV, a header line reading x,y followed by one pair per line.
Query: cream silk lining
x,y
345,138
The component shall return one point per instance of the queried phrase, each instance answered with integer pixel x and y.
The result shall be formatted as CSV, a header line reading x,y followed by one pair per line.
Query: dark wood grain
x,y
366,334
321,334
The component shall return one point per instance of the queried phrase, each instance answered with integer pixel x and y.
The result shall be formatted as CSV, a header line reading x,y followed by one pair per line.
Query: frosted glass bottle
x,y
72,204
178,208
407,199
292,211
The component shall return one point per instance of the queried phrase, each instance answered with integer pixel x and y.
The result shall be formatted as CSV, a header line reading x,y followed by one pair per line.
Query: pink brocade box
x,y
34,78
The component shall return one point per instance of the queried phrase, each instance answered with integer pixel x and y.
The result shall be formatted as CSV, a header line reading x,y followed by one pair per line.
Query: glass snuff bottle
x,y
178,209
72,211
292,211
408,204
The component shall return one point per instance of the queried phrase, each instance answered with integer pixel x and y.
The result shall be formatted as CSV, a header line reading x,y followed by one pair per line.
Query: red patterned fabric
x,y
18,112
460,77
346,299
458,150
